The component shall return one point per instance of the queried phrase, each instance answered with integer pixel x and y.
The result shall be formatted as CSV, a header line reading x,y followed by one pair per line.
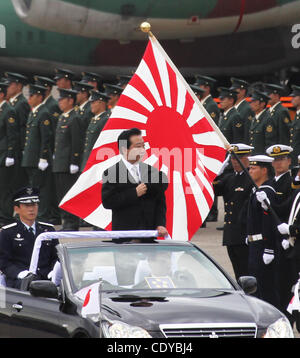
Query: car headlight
x,y
280,329
118,329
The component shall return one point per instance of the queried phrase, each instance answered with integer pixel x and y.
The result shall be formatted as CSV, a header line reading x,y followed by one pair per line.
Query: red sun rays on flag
x,y
179,140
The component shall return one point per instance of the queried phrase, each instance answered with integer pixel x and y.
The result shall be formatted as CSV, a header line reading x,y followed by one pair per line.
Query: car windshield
x,y
144,267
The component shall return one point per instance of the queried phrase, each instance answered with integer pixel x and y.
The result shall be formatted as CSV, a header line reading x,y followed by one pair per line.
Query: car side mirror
x,y
43,288
248,284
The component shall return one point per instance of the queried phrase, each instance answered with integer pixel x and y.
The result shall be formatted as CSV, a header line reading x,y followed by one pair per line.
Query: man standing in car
x,y
135,191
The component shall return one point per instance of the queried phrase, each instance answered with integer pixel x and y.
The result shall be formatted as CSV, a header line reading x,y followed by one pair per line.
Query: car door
x,y
32,317
4,315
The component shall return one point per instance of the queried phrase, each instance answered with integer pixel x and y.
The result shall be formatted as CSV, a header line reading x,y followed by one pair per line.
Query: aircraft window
x,y
42,37
18,36
29,36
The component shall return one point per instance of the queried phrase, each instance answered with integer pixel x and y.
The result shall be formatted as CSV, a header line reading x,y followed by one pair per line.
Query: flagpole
x,y
146,27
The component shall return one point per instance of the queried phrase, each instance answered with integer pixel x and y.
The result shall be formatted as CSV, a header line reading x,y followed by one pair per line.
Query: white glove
x,y
224,165
285,244
9,162
23,274
43,164
284,229
261,196
268,258
74,168
246,240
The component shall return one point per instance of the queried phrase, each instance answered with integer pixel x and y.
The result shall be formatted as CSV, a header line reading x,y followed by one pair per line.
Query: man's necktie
x,y
135,174
31,232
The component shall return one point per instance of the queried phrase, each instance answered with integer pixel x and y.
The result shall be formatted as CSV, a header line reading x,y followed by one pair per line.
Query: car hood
x,y
148,309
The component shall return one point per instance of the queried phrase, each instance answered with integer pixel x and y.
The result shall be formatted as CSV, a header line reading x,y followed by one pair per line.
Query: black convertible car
x,y
144,288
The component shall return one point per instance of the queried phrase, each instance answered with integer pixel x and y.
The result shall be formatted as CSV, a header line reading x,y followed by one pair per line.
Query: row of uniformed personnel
x,y
44,142
260,241
261,123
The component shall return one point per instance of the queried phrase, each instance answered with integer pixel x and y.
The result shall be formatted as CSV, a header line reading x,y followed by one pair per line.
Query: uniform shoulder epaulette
x,y
9,225
47,224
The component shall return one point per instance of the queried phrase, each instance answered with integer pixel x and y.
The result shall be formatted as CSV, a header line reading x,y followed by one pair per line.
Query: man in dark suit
x,y
17,241
133,190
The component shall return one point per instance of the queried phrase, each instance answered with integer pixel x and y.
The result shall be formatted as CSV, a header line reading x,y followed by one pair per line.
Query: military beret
x,y
295,91
259,96
82,86
67,93
37,89
197,90
26,195
44,81
112,89
99,96
241,148
227,92
204,80
64,73
272,88
16,77
238,83
279,150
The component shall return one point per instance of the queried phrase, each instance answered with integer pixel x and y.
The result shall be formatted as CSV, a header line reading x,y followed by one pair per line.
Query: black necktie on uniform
x,y
31,232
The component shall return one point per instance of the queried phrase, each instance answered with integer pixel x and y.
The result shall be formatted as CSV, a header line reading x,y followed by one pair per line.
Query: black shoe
x,y
220,228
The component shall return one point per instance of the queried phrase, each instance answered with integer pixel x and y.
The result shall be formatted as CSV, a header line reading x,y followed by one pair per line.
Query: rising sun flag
x,y
180,139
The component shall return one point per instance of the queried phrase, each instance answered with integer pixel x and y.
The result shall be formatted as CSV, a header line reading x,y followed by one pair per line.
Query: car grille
x,y
227,330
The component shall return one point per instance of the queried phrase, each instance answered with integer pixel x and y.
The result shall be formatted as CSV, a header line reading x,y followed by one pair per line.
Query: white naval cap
x,y
260,159
278,150
241,148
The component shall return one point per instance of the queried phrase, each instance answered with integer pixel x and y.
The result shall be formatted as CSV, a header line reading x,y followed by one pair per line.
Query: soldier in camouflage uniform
x,y
37,155
262,135
67,152
9,136
243,107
